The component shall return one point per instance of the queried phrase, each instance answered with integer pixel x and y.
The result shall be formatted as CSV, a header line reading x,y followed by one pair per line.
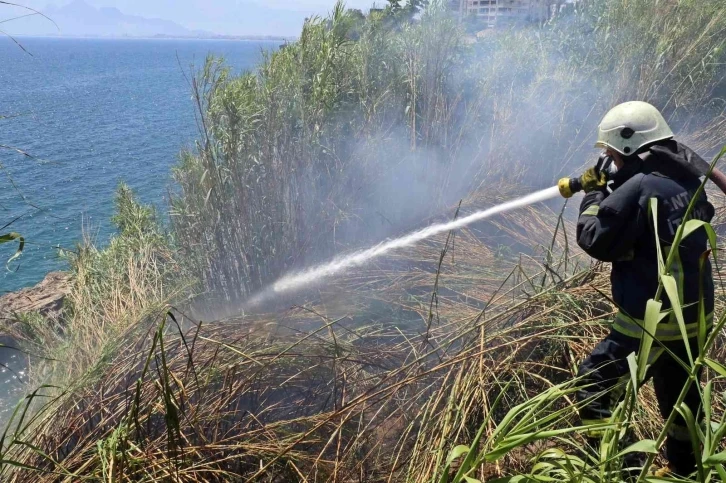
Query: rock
x,y
46,297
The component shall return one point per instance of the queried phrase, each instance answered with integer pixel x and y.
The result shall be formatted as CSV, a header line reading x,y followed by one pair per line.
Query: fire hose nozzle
x,y
569,186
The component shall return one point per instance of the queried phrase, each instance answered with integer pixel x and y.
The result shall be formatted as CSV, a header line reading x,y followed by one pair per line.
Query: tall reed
x,y
450,361
334,141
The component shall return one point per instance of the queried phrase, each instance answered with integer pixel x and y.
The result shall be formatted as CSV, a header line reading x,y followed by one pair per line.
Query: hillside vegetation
x,y
450,361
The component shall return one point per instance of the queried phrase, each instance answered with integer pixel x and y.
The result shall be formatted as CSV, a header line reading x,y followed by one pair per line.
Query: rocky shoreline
x,y
45,298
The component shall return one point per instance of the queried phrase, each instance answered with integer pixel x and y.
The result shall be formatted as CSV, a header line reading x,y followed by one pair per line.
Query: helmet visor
x,y
602,145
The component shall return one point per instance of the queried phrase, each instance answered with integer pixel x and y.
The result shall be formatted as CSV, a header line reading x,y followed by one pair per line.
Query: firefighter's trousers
x,y
605,373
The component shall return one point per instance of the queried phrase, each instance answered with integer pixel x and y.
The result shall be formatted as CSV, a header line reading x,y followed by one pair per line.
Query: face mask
x,y
606,164
611,170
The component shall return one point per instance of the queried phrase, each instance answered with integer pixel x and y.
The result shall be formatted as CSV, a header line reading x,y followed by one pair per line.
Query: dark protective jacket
x,y
618,227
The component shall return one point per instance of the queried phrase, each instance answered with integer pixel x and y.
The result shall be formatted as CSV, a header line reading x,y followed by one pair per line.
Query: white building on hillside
x,y
496,12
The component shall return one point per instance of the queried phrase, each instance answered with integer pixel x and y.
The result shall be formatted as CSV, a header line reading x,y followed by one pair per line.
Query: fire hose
x,y
569,186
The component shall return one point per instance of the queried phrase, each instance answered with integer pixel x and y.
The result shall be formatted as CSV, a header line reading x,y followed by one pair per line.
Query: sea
x,y
91,114
77,118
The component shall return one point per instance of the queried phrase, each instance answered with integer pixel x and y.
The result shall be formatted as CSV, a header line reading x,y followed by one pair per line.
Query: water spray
x,y
308,277
566,187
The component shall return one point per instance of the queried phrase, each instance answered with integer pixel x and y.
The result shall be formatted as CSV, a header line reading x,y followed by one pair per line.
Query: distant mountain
x,y
78,18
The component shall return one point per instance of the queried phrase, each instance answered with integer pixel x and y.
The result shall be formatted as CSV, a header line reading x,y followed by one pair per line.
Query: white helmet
x,y
630,126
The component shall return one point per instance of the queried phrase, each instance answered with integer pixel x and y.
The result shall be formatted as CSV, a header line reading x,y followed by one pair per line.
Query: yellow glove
x,y
593,180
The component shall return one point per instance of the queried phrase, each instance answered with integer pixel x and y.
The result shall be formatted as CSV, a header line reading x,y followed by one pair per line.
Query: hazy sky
x,y
234,17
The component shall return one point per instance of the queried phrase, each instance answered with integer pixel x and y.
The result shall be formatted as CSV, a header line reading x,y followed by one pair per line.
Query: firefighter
x,y
616,225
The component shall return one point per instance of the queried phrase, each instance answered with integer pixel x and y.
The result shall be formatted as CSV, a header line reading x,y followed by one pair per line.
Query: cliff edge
x,y
46,297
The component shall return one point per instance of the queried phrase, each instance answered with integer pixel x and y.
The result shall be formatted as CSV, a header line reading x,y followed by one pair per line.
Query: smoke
x,y
430,117
314,275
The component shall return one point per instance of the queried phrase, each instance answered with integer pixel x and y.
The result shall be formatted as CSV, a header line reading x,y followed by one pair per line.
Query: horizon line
x,y
250,37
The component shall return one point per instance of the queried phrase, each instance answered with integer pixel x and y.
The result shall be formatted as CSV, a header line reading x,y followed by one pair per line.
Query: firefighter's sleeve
x,y
609,225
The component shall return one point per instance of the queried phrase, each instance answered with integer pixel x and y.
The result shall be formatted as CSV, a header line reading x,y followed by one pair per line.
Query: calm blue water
x,y
97,112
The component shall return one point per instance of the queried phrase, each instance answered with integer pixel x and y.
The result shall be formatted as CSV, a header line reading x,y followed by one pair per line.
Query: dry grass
x,y
383,371
324,391
371,381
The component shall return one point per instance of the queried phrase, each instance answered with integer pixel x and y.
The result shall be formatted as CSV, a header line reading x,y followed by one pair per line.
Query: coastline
x,y
46,297
233,38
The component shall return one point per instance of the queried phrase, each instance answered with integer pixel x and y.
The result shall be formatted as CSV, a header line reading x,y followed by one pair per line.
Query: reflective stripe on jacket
x,y
617,227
